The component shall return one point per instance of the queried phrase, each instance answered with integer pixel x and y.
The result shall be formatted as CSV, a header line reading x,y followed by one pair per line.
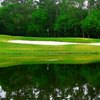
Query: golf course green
x,y
19,54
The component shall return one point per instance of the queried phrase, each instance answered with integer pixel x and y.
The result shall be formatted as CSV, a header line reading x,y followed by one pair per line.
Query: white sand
x,y
41,42
95,44
49,42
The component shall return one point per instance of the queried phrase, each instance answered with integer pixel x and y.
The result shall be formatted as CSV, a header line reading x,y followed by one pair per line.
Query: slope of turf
x,y
64,39
17,54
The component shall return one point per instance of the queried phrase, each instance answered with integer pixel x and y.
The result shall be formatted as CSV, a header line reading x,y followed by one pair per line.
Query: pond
x,y
50,82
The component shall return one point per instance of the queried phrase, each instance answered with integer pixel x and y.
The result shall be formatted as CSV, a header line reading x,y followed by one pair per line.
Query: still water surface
x,y
50,82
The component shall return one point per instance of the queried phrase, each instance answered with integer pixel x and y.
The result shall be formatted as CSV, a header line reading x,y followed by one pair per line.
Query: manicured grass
x,y
15,54
62,39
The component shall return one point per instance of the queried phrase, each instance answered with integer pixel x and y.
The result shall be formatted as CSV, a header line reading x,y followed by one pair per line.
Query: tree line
x,y
50,18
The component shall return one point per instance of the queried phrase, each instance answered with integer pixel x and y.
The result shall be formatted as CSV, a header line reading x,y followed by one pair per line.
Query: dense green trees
x,y
50,18
70,23
14,19
37,25
91,23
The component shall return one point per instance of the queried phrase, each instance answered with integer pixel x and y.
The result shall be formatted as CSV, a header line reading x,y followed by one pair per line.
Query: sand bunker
x,y
95,44
49,42
41,42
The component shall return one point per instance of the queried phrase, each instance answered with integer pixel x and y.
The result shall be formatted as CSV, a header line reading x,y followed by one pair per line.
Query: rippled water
x,y
74,93
50,82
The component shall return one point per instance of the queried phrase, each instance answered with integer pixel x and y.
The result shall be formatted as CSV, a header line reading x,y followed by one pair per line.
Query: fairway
x,y
74,51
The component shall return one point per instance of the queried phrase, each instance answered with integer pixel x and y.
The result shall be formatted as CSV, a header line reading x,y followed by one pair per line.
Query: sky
x,y
0,2
85,3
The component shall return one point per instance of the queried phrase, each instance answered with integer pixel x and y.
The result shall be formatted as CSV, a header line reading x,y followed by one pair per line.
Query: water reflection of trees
x,y
48,78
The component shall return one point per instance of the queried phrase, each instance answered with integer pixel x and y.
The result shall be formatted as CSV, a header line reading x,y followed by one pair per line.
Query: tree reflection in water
x,y
50,82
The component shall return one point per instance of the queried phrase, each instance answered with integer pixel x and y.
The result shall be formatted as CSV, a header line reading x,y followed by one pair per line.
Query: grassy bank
x,y
15,54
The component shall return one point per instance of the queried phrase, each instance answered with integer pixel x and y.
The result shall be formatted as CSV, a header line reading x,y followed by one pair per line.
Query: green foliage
x,y
13,19
50,18
38,24
92,23
68,24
